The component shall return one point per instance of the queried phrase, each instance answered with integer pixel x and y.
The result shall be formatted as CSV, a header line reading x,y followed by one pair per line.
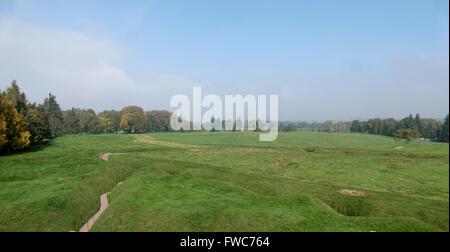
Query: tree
x,y
259,125
408,134
328,127
408,123
356,126
281,126
291,127
418,123
287,127
133,120
13,129
378,127
213,129
106,124
52,116
17,98
36,126
158,121
238,125
375,126
431,128
365,127
113,116
3,131
444,132
125,124
341,127
71,121
390,126
89,123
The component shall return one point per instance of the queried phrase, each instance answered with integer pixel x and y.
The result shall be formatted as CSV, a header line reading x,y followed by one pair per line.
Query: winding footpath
x,y
104,198
103,205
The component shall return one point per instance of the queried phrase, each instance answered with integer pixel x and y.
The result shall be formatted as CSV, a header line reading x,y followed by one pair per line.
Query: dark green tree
x,y
52,116
89,122
444,132
287,127
418,123
158,121
355,127
36,126
431,128
408,123
71,121
365,127
389,126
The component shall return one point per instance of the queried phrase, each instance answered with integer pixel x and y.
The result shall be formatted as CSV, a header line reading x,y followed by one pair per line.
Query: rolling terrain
x,y
225,181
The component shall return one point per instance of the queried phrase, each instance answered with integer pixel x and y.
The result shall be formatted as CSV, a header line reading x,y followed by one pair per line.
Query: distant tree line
x,y
408,128
327,126
23,123
414,127
287,127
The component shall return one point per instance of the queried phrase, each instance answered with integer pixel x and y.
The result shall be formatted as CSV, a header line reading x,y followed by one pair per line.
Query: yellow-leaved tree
x,y
3,139
133,120
13,129
106,124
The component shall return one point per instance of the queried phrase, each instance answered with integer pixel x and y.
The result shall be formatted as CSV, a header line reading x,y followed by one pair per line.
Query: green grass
x,y
226,181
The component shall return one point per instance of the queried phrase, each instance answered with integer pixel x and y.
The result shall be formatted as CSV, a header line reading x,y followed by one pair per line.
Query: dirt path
x,y
151,140
200,148
103,205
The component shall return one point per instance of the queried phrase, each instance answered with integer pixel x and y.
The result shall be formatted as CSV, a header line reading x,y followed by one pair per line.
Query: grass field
x,y
226,181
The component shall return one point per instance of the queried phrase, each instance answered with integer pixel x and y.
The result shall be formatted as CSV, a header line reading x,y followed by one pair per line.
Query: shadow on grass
x,y
32,148
38,147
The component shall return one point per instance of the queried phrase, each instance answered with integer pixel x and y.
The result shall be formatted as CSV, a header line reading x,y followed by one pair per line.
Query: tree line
x,y
23,123
410,127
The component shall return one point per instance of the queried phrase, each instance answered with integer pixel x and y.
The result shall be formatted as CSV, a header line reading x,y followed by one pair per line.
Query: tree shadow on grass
x,y
38,147
32,148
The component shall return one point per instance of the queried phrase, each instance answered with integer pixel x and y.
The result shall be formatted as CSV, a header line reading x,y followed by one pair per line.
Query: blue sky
x,y
389,58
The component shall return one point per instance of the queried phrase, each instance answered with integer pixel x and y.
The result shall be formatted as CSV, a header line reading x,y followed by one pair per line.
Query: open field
x,y
226,181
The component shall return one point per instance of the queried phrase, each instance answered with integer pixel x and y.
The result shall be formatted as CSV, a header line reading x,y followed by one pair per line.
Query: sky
x,y
326,59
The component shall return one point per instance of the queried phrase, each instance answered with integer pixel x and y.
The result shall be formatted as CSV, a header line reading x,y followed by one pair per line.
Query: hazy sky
x,y
331,59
